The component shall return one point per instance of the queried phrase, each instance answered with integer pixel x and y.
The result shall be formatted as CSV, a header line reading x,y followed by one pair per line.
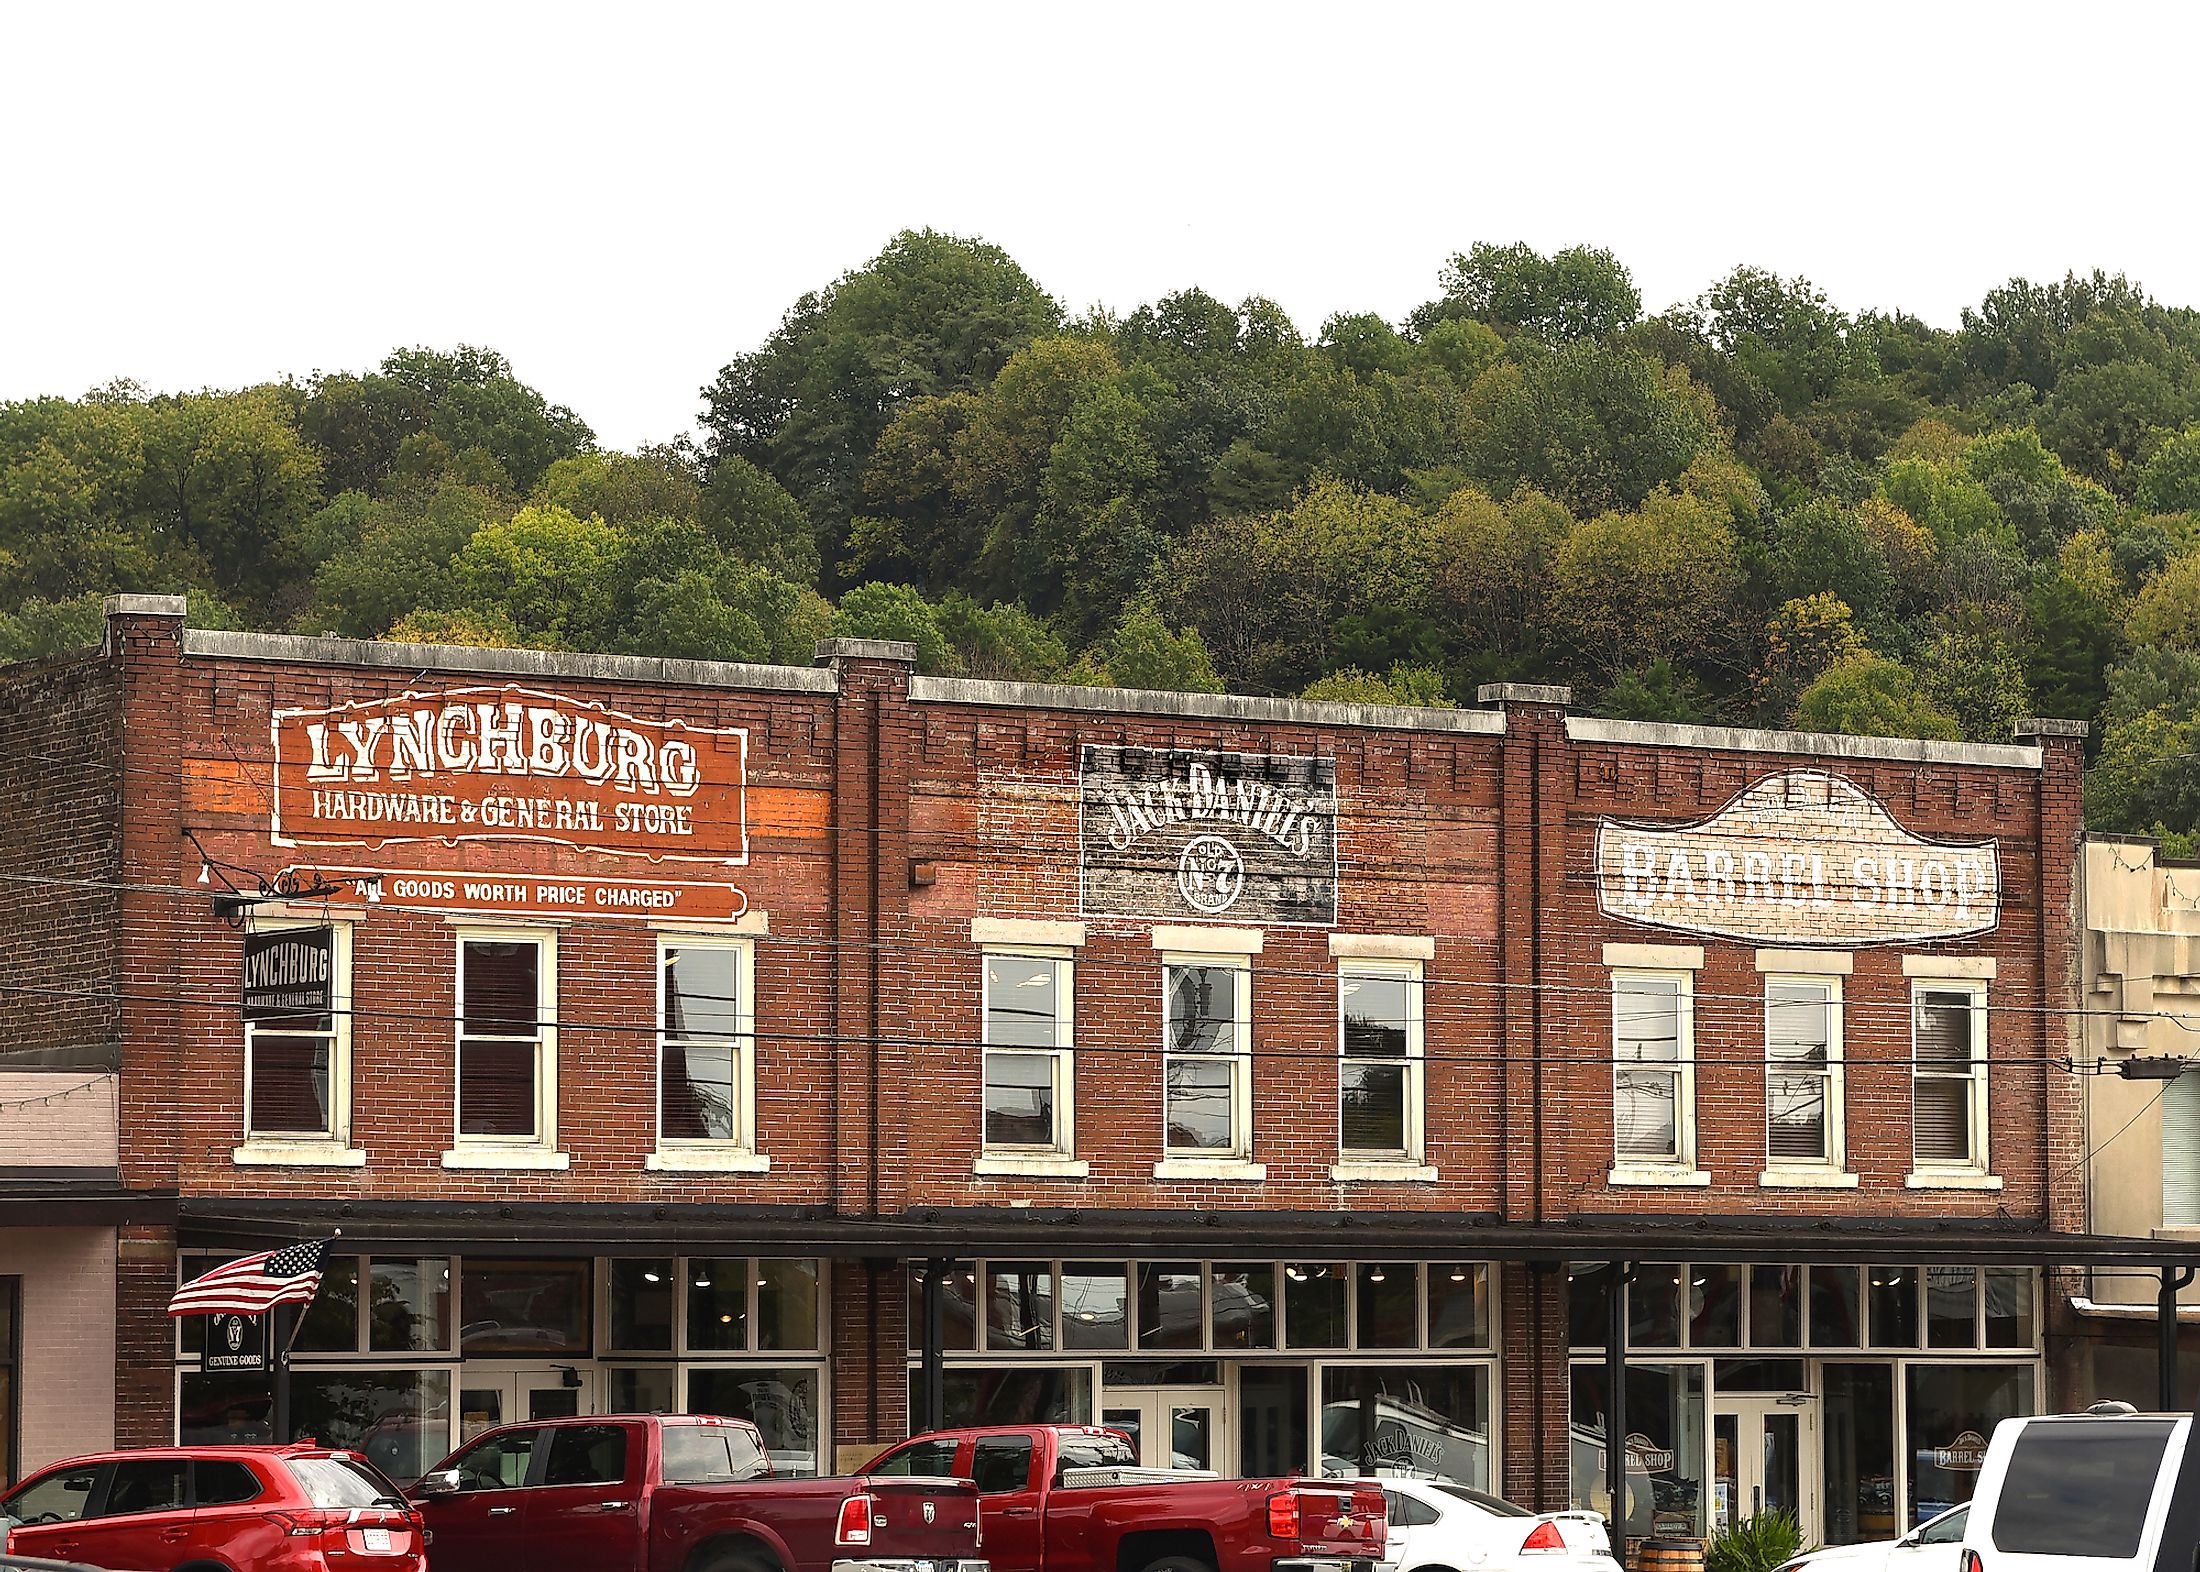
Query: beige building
x,y
2142,1116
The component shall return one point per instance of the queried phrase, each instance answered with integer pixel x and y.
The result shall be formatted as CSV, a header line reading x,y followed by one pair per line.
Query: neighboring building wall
x,y
67,1369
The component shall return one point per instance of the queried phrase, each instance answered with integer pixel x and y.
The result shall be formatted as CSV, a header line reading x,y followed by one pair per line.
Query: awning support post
x,y
2165,1316
1615,1408
934,1353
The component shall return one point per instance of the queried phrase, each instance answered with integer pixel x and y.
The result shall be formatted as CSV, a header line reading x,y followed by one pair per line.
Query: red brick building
x,y
1288,1083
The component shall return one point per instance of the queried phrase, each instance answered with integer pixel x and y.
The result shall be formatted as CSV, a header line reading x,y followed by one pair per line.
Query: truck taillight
x,y
855,1521
1283,1515
1970,1562
1544,1537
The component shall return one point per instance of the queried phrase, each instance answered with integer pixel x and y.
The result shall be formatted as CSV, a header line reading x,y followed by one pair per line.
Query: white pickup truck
x,y
2107,1490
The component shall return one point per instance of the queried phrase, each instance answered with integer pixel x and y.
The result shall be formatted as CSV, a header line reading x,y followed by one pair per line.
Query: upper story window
x,y
1207,1086
1379,1072
2181,1151
1652,1080
1803,1072
297,1068
1028,1044
706,1089
1948,1086
507,1035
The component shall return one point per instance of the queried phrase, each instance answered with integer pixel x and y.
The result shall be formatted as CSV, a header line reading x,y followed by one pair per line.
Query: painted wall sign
x,y
509,764
1176,833
538,895
234,1343
289,971
1804,858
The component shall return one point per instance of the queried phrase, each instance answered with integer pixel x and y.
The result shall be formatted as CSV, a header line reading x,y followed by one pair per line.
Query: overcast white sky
x,y
621,197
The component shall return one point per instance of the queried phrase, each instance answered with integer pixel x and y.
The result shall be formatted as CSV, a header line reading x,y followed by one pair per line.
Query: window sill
x,y
297,1154
1655,1174
1951,1179
1383,1173
1807,1179
1036,1167
508,1158
700,1160
1209,1168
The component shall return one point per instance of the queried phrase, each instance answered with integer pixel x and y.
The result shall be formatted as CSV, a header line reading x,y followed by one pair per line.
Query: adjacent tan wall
x,y
67,1373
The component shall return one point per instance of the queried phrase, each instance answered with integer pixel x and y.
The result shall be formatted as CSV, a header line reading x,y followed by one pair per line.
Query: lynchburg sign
x,y
1237,836
509,764
1801,858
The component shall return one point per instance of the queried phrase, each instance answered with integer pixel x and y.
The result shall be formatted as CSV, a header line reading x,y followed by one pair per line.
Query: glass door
x,y
1761,1460
1170,1427
488,1397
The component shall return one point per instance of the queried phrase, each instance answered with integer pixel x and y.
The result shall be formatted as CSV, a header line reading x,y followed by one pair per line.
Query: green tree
x,y
1145,652
1782,332
1873,696
1803,639
228,475
895,611
1413,686
1823,547
1974,674
1579,292
1490,565
2148,770
1663,582
623,488
1001,642
555,577
2169,482
758,520
2167,609
357,422
381,560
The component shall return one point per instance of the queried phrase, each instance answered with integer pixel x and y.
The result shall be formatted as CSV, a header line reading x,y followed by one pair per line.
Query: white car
x,y
1435,1526
1935,1545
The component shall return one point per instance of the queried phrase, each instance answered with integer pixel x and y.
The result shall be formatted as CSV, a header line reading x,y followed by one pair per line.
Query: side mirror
x,y
443,1482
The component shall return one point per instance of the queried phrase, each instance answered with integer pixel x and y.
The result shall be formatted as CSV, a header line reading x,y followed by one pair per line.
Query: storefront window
x,y
1775,1307
1168,1305
1243,1306
1859,1451
1389,1305
331,1324
1951,1307
1458,1305
524,1307
1952,1410
401,1419
1019,1305
1271,1420
1012,1395
1314,1305
958,1306
1894,1306
1715,1306
1836,1320
409,1308
224,1409
641,1305
718,1304
1589,1302
641,1389
782,1403
2009,1307
1427,1422
786,1305
1095,1306
1665,1447
1654,1307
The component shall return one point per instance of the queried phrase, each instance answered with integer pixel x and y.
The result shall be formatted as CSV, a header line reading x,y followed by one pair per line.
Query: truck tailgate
x,y
1340,1520
922,1517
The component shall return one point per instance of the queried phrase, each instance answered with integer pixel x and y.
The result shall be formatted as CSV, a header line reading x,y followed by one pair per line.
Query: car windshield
x,y
1496,1506
342,1482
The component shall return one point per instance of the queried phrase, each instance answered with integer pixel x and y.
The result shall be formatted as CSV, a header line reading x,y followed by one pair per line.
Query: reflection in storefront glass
x,y
1314,1304
524,1307
1654,1307
1019,1304
643,1389
331,1323
1894,1306
1389,1307
2009,1307
782,1403
1775,1307
642,1298
1665,1447
1012,1395
786,1304
1589,1302
1836,1317
1951,1307
1095,1305
1243,1306
1952,1409
401,1419
1715,1306
718,1303
1168,1305
1858,1441
1271,1420
1458,1305
409,1306
1427,1422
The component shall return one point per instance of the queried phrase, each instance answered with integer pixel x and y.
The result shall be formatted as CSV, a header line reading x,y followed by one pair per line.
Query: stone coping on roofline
x,y
1739,739
1201,706
208,642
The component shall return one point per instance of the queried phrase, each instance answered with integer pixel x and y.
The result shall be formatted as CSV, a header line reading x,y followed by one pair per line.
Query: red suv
x,y
220,1508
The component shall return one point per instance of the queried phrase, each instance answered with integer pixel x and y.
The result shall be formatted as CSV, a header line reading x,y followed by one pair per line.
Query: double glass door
x,y
1762,1450
1172,1427
488,1397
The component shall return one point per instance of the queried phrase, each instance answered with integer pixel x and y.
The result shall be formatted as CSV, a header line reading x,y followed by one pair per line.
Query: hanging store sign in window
x,y
509,764
1803,858
1176,833
289,971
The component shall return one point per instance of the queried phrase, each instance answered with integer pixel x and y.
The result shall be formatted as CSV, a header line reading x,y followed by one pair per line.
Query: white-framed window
x,y
297,1068
1379,1113
507,1037
1029,1041
1948,1080
1653,1078
1206,1075
706,1043
2181,1151
1803,1113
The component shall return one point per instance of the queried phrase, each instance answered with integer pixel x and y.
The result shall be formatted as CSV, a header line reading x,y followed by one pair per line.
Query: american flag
x,y
255,1284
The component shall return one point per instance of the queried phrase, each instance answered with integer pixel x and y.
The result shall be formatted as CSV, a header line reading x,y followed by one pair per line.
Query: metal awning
x,y
519,1228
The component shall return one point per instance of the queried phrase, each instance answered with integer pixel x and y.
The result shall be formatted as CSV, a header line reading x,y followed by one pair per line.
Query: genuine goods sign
x,y
509,764
1804,858
1177,833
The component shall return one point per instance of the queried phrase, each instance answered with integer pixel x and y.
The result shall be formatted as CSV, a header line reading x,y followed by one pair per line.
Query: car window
x,y
921,1459
1409,1511
1496,1506
586,1455
1001,1463
1946,1529
2080,1487
222,1482
58,1498
147,1484
711,1455
344,1482
498,1463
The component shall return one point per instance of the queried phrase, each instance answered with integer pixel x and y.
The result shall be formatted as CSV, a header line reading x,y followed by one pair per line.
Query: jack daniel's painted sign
x,y
1177,833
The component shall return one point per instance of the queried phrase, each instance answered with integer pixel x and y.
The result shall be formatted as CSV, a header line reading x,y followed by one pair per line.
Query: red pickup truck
x,y
678,1493
1058,1498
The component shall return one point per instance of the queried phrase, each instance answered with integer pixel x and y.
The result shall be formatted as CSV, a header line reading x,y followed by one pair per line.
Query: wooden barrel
x,y
1669,1555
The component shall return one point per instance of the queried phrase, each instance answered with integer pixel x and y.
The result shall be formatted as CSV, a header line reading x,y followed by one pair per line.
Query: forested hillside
x,y
1755,508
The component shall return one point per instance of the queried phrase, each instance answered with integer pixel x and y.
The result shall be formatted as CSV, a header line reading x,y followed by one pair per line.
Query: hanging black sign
x,y
235,1343
1180,833
289,971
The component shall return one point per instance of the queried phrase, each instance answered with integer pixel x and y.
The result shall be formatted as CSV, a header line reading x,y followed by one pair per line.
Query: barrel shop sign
x,y
1178,833
1801,857
509,764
